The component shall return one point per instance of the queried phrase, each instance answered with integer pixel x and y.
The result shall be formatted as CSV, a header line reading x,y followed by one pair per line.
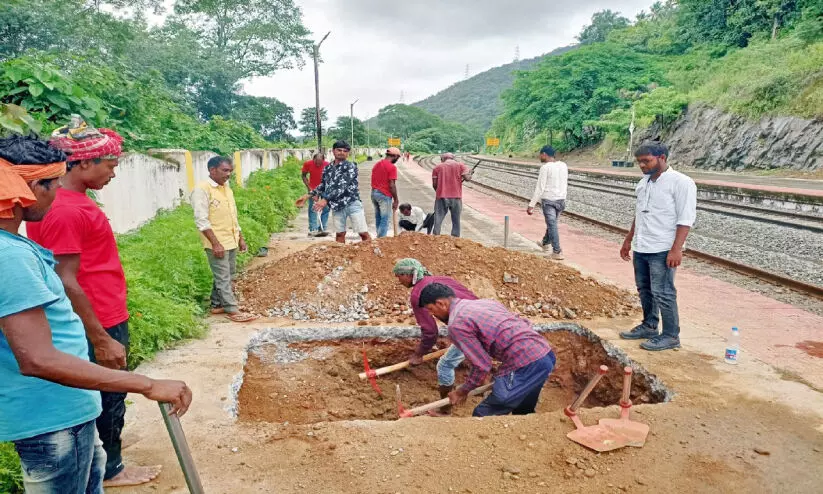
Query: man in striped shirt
x,y
484,330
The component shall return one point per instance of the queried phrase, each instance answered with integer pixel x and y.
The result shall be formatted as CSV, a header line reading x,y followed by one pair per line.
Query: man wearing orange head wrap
x,y
78,232
49,397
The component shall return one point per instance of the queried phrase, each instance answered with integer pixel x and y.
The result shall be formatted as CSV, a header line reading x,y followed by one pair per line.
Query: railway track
x,y
742,268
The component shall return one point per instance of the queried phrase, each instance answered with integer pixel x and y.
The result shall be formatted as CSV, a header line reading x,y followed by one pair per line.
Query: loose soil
x,y
331,274
326,387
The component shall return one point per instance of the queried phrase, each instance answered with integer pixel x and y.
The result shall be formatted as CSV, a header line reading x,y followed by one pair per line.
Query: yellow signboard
x,y
492,141
394,141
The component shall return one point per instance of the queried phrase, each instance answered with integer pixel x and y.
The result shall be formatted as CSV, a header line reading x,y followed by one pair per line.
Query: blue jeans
x,y
655,284
324,217
551,213
68,461
446,365
517,392
382,212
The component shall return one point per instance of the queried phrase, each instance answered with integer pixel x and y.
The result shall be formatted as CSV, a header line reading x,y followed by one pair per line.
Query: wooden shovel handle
x,y
588,389
445,401
402,365
625,400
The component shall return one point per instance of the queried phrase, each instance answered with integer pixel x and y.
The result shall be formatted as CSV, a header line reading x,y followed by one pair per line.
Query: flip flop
x,y
217,310
241,317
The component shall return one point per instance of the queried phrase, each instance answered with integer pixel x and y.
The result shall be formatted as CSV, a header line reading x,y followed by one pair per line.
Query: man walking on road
x,y
484,331
666,210
312,174
77,231
411,274
414,219
215,216
340,190
447,181
49,398
550,191
384,191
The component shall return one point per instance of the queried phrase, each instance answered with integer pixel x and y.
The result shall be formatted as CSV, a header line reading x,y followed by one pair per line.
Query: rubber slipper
x,y
241,317
217,310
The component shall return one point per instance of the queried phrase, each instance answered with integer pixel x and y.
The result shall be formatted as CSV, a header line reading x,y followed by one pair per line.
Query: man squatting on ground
x,y
384,191
447,182
484,330
79,235
550,191
312,173
666,211
215,216
339,189
49,397
412,274
414,219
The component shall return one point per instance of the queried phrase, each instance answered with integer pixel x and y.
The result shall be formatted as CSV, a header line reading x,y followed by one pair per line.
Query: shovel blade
x,y
635,432
598,438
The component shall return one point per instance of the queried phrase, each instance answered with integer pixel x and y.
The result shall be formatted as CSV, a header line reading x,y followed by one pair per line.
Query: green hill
x,y
475,102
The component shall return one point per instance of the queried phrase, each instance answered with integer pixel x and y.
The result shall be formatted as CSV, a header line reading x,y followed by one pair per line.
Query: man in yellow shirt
x,y
215,215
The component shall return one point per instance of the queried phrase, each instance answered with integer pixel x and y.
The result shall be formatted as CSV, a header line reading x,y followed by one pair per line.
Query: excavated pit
x,y
309,375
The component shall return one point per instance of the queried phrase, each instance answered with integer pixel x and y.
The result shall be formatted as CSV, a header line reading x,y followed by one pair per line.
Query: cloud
x,y
378,49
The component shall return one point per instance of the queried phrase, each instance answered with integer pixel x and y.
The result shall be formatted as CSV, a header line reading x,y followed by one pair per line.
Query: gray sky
x,y
378,49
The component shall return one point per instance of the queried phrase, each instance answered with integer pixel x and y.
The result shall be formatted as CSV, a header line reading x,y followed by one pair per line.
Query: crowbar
x,y
181,448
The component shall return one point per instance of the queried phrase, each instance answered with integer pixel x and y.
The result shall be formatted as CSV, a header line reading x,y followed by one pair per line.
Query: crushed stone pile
x,y
354,282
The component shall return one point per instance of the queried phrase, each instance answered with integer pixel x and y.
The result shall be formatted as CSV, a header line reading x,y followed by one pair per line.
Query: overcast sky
x,y
378,48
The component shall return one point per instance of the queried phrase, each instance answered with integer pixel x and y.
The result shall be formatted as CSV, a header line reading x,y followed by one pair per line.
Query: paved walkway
x,y
770,330
802,186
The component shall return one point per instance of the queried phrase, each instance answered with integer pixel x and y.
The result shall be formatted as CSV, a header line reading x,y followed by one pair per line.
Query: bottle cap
x,y
734,328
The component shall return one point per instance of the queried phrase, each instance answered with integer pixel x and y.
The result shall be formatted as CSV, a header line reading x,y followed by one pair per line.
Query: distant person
x,y
666,211
384,191
312,174
79,235
447,181
340,190
414,219
215,215
408,157
412,274
550,191
485,331
50,392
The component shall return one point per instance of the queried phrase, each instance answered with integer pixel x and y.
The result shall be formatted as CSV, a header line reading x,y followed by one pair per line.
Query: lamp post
x,y
351,120
316,54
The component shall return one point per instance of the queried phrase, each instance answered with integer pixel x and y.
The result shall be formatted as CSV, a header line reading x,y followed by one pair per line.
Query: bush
x,y
11,478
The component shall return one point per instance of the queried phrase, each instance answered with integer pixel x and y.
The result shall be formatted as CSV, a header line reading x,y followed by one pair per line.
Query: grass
x,y
169,278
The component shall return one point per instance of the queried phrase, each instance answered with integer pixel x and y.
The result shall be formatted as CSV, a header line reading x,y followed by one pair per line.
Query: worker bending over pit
x,y
484,330
414,219
412,274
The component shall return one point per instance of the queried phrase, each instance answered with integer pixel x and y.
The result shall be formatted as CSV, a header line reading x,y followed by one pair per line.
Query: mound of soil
x,y
339,277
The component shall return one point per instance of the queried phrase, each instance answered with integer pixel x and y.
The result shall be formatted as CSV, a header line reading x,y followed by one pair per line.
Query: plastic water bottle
x,y
733,347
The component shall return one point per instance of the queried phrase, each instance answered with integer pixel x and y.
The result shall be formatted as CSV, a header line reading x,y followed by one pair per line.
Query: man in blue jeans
x,y
384,190
340,190
49,398
550,190
312,173
666,211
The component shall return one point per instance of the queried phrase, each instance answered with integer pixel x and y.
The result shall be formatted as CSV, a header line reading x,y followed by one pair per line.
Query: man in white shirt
x,y
666,210
414,219
550,191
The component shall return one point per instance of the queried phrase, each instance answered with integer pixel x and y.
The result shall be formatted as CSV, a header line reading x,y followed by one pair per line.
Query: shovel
x,y
594,437
635,432
403,413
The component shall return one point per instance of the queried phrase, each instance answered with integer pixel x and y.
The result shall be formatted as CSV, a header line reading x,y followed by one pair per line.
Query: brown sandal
x,y
217,310
241,317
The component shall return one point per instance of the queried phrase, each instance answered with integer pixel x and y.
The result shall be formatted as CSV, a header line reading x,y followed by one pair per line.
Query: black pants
x,y
428,223
110,422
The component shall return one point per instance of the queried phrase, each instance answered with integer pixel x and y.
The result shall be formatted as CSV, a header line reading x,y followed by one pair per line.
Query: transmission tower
x,y
466,76
517,53
402,97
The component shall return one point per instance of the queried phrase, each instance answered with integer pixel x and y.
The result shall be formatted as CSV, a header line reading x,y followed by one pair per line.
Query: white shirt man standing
x,y
666,210
551,189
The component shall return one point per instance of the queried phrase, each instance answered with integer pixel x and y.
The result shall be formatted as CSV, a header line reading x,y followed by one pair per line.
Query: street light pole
x,y
351,120
316,54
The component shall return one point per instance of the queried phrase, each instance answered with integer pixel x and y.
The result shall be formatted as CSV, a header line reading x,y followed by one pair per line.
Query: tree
x,y
405,120
342,131
603,23
270,117
308,124
257,37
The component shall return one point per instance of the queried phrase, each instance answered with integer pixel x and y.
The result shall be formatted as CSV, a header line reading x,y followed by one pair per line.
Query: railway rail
x,y
809,223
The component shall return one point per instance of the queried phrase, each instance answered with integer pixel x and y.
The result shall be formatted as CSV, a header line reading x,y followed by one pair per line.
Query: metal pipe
x,y
351,121
181,448
317,122
506,233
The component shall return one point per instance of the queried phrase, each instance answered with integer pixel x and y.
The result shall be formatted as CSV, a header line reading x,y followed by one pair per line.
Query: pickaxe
x,y
403,413
372,374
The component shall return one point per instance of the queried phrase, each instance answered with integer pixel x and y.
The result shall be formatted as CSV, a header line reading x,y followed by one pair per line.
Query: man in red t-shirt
x,y
384,190
312,175
447,181
79,234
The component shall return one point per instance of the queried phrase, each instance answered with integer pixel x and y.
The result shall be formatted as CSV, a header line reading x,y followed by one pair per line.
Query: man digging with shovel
x,y
412,274
484,330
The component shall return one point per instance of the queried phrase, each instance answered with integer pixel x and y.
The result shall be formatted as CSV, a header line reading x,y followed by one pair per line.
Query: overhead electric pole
x,y
316,53
351,121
